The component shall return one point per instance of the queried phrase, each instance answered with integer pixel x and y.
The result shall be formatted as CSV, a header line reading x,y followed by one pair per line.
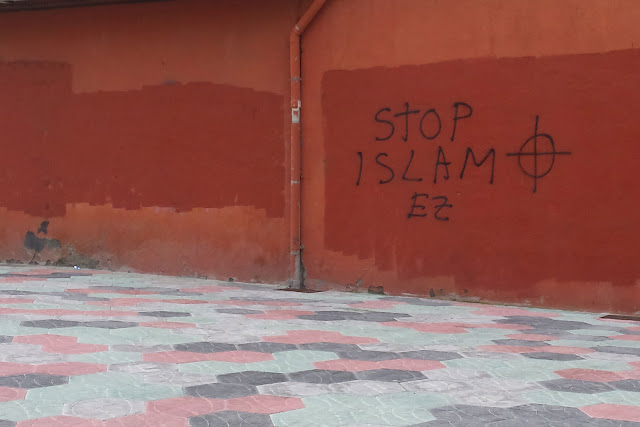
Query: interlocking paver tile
x,y
231,418
32,380
576,386
252,378
628,385
205,347
103,409
221,390
322,376
115,349
393,375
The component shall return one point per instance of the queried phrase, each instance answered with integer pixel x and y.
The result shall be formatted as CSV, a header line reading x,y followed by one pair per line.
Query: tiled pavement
x,y
109,349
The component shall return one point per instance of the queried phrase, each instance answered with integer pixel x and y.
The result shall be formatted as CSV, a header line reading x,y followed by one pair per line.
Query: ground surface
x,y
109,349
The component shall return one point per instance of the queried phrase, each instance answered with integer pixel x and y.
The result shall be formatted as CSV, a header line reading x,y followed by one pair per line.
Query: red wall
x,y
151,136
485,233
155,137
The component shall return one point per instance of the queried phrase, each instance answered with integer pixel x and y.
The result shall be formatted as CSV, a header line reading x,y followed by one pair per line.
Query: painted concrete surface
x,y
93,348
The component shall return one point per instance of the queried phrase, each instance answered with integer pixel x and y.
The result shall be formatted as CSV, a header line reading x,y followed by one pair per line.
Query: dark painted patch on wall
x,y
403,189
180,146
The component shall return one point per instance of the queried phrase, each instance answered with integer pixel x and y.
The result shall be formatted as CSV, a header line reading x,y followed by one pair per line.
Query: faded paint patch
x,y
182,146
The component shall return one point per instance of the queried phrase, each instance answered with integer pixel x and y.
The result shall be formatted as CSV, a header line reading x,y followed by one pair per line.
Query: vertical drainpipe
x,y
295,246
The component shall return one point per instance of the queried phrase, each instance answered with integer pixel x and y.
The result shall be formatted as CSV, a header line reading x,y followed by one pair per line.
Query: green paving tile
x,y
102,385
154,336
293,361
398,409
20,410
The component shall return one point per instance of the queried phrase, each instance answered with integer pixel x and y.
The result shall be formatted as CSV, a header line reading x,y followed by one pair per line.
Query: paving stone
x,y
297,389
366,388
175,378
142,367
523,343
429,355
545,323
618,350
49,324
252,378
266,347
329,346
108,324
242,311
138,348
321,376
480,387
230,418
373,316
552,356
205,347
221,390
32,380
394,375
7,423
103,409
419,301
576,386
374,356
627,385
165,314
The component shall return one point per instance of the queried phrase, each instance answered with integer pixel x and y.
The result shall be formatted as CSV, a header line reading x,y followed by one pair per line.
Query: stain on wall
x,y
511,178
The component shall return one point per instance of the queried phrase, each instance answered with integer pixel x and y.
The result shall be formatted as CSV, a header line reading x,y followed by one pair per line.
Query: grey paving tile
x,y
49,323
165,314
329,346
524,415
618,350
374,356
266,347
221,390
32,380
108,324
205,347
5,339
252,378
321,376
230,418
627,385
546,323
71,296
552,356
576,386
391,375
429,355
7,423
17,292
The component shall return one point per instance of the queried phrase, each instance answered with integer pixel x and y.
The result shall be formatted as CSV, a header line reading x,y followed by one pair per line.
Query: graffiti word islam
x,y
536,156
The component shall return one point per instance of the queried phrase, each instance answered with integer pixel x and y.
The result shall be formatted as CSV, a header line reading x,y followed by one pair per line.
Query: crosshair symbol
x,y
548,154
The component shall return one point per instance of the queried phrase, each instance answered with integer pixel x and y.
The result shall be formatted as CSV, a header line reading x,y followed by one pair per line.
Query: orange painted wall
x,y
152,136
574,64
